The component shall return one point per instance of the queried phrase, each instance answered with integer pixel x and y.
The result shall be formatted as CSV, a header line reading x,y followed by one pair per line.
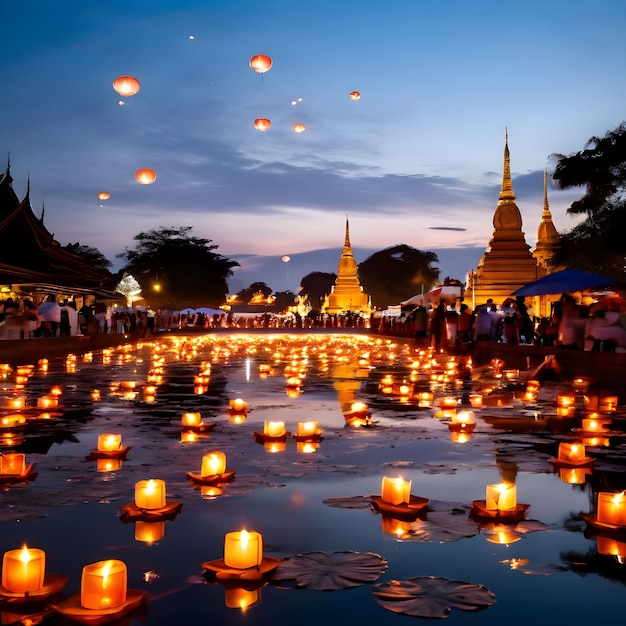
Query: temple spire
x,y
546,206
346,241
506,191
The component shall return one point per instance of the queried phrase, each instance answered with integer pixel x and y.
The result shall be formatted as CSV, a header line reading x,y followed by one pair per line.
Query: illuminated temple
x,y
347,294
508,263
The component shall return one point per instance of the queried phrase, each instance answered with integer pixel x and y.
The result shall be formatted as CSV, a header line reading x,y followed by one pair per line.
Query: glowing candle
x,y
128,384
476,400
425,399
149,390
274,429
12,421
149,532
307,429
565,400
240,598
594,425
109,442
95,395
243,549
23,570
13,464
608,404
358,407
238,404
150,494
395,490
191,420
612,508
46,402
571,452
103,585
213,463
448,403
464,418
533,385
15,403
501,497
530,396
580,384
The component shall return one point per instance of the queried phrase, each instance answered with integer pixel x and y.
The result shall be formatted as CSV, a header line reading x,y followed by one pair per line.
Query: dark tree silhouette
x,y
397,273
316,286
596,244
186,268
93,255
245,295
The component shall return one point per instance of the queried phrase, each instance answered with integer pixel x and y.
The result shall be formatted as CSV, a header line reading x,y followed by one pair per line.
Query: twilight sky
x,y
417,160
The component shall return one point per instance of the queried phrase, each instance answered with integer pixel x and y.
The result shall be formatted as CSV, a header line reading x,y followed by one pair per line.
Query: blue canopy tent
x,y
564,281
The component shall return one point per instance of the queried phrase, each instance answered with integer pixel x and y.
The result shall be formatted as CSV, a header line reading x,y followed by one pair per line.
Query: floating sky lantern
x,y
355,95
145,176
261,63
298,128
103,195
286,258
262,124
126,86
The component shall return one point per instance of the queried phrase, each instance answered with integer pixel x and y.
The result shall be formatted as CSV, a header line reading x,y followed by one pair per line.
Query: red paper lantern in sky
x,y
355,95
262,124
126,85
261,63
145,176
298,128
103,195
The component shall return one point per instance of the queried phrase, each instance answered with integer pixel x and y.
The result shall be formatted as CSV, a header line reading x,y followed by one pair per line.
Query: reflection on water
x,y
307,488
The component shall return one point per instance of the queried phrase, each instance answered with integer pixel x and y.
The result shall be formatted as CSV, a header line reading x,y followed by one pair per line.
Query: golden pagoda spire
x,y
547,235
506,191
346,242
546,206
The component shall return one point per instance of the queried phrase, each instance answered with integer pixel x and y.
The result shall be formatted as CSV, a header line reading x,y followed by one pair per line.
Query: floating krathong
x,y
14,469
463,421
213,470
500,504
572,455
109,447
272,431
243,558
103,597
150,503
396,499
308,432
611,514
24,578
193,421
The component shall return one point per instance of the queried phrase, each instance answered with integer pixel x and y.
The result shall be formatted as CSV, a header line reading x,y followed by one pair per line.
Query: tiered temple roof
x,y
32,260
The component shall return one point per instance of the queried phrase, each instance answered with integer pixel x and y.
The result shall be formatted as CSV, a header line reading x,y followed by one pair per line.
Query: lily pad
x,y
349,502
430,596
325,571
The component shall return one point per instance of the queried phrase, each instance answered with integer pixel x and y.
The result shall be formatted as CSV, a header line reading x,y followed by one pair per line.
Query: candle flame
x,y
618,498
243,538
106,570
151,486
25,555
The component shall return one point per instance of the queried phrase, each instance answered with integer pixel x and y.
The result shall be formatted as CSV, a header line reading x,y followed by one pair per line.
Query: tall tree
x,y
316,286
397,273
93,255
185,268
596,244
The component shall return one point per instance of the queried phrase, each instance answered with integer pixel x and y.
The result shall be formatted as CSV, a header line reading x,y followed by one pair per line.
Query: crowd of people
x,y
597,326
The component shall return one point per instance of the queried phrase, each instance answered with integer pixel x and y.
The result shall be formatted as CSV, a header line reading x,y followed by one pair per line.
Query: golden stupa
x,y
347,294
507,263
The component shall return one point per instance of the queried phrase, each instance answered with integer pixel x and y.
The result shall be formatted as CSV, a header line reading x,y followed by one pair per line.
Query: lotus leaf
x,y
325,571
429,596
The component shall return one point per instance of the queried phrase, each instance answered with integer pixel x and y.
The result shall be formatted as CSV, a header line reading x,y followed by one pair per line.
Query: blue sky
x,y
419,153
